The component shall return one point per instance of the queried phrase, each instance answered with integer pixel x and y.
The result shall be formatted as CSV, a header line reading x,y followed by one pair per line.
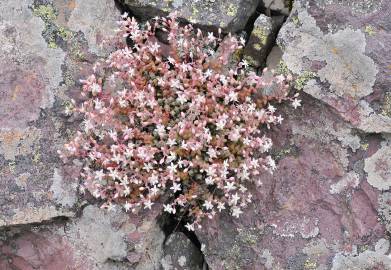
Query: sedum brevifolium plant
x,y
171,119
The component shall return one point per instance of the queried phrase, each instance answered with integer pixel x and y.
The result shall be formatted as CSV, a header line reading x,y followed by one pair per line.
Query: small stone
x,y
181,253
280,6
261,40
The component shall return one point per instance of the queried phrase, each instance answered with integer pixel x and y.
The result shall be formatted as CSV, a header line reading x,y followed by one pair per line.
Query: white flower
x,y
127,191
160,130
209,180
154,47
242,188
154,190
189,227
172,168
230,186
271,108
117,159
208,73
127,206
176,84
296,103
171,60
223,80
148,166
211,171
171,157
153,179
171,142
208,205
168,208
175,187
99,175
220,206
125,15
114,174
113,134
211,37
233,96
242,41
279,119
236,211
182,98
182,261
244,63
271,163
234,199
203,247
234,135
88,125
148,204
98,104
161,82
246,141
211,52
95,89
212,153
122,103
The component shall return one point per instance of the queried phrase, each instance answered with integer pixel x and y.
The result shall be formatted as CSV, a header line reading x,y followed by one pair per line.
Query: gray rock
x,y
231,16
339,48
378,167
31,73
181,253
261,40
281,6
274,58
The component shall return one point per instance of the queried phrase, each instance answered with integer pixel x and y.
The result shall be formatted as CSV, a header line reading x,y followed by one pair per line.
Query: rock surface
x,y
317,205
341,48
280,6
231,16
327,207
261,40
181,253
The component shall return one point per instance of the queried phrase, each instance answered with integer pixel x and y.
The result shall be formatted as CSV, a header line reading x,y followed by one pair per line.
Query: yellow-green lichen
x,y
36,157
250,60
237,55
362,248
261,34
364,146
64,33
52,44
76,52
370,30
302,80
257,46
45,12
310,265
12,166
296,20
232,10
282,68
386,110
247,237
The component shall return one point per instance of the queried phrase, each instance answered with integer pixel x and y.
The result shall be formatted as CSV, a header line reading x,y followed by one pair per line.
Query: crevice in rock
x,y
171,224
122,8
17,228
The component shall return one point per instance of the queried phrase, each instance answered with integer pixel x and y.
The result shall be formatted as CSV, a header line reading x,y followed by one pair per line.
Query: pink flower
x,y
179,126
